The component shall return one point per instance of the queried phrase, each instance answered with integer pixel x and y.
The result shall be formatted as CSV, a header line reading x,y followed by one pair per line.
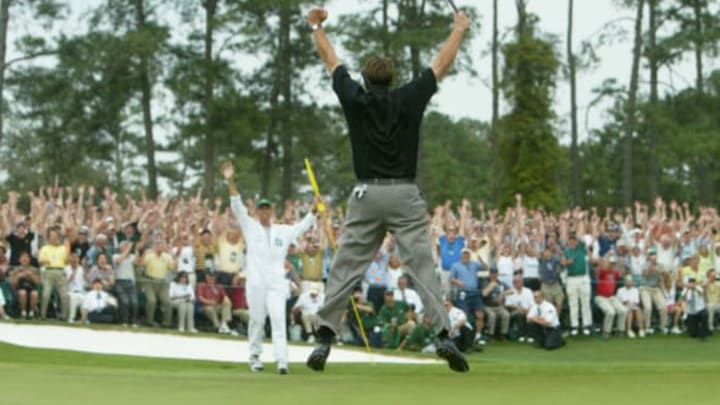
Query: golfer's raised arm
x,y
324,48
445,59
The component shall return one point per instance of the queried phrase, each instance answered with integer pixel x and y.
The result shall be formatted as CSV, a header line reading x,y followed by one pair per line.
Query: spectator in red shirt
x,y
609,304
238,300
214,302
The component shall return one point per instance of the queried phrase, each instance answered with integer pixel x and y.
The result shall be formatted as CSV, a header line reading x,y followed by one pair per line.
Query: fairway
x,y
658,370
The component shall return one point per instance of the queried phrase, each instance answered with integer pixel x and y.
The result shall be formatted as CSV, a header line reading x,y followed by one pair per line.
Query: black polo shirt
x,y
384,124
19,245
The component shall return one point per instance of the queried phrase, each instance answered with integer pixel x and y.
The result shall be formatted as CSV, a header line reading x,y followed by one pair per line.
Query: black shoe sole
x,y
317,360
456,361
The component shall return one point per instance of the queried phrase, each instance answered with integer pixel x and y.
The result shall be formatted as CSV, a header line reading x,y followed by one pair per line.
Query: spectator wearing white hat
x,y
460,330
629,296
308,305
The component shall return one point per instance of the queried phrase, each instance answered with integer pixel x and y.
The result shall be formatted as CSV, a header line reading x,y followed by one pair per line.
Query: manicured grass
x,y
657,370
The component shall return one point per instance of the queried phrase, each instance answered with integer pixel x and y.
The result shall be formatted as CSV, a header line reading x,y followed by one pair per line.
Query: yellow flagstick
x,y
321,205
331,238
362,329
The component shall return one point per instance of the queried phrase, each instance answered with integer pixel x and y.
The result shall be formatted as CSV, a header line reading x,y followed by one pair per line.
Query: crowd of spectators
x,y
524,275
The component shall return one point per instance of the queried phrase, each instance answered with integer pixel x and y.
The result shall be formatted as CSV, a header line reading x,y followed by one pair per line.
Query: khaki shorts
x,y
552,292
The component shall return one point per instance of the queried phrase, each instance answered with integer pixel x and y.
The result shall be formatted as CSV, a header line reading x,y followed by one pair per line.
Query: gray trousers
x,y
401,210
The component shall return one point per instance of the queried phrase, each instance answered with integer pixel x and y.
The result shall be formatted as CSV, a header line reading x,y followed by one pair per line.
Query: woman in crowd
x,y
182,296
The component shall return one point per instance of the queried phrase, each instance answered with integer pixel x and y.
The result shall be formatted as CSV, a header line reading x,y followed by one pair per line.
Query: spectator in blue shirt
x,y
376,280
463,275
449,247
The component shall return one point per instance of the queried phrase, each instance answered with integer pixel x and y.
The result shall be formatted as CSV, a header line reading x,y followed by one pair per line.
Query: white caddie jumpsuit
x,y
266,285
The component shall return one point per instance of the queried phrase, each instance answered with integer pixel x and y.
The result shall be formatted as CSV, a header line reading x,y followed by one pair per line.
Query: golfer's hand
x,y
462,22
228,171
317,16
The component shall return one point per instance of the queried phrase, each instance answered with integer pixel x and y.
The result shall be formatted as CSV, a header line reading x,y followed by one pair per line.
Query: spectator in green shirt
x,y
578,284
394,321
421,338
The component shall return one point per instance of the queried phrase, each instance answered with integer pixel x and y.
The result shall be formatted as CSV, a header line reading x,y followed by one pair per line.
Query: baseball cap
x,y
493,270
84,230
652,251
263,202
315,290
466,250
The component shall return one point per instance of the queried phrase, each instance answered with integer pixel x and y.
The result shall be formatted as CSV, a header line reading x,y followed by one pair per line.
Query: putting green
x,y
657,370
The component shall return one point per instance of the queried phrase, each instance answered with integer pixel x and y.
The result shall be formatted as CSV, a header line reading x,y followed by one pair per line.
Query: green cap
x,y
263,202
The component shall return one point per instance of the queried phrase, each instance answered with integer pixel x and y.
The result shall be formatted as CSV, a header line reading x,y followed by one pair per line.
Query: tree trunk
x,y
574,154
698,26
4,21
146,90
386,28
653,161
704,178
209,94
270,138
495,105
630,111
285,77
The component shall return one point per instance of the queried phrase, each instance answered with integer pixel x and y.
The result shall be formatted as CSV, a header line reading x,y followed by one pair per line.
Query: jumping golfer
x,y
266,286
384,126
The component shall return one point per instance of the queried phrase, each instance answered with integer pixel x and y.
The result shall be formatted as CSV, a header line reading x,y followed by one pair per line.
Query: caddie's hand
x,y
317,16
228,171
462,21
316,202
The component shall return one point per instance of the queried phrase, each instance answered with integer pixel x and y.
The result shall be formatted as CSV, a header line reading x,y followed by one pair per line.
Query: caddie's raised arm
x,y
236,204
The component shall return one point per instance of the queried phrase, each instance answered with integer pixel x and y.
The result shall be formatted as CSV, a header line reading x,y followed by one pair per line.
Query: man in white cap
x,y
308,305
266,286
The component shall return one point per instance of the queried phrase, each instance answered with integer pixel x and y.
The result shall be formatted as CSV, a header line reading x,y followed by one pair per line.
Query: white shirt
x,y
694,300
178,291
267,248
411,297
666,258
185,259
530,267
393,275
77,283
505,266
545,311
638,264
96,301
308,304
521,299
456,315
630,295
